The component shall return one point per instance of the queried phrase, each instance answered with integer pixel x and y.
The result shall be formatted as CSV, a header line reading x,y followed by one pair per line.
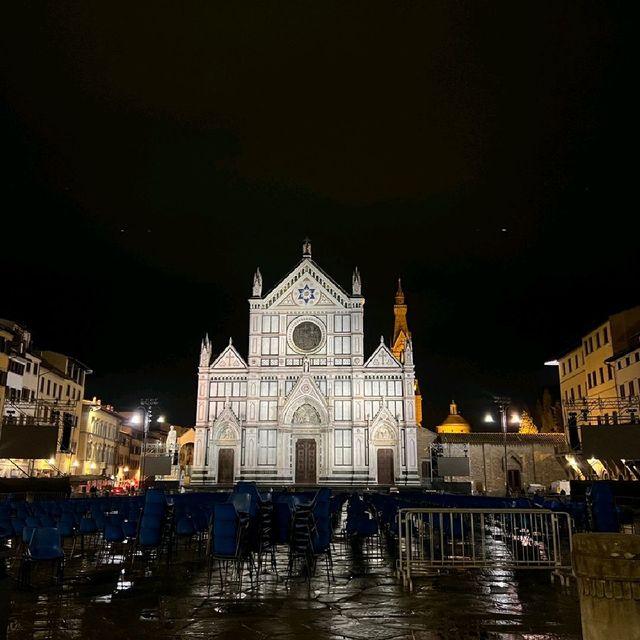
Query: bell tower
x,y
401,331
401,337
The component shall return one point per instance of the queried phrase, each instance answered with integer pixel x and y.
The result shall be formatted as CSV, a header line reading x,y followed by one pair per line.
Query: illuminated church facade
x,y
307,406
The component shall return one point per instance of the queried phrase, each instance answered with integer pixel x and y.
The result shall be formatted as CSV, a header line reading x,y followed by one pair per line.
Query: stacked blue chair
x,y
229,541
152,522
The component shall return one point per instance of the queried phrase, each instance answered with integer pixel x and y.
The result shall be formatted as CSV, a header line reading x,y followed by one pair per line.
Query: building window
x,y
342,410
289,384
270,346
267,439
371,408
215,409
270,324
384,388
16,367
268,388
28,366
609,372
586,347
268,410
342,324
342,345
342,388
396,408
637,356
598,340
631,389
605,335
227,389
579,391
342,446
628,361
622,391
564,371
240,409
576,361
571,394
601,375
322,384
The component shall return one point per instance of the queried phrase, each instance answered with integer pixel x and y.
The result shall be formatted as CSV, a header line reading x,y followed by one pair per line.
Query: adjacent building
x,y
40,388
99,439
307,406
600,389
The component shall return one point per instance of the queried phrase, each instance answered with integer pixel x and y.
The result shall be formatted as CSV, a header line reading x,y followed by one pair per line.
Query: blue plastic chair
x,y
228,541
45,545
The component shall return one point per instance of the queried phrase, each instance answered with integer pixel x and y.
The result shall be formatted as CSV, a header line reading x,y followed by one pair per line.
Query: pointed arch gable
x,y
384,426
306,391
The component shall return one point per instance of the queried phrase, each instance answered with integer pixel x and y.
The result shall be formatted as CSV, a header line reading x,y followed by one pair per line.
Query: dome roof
x,y
454,422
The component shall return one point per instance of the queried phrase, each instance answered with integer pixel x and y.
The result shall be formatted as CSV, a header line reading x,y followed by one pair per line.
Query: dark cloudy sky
x,y
155,154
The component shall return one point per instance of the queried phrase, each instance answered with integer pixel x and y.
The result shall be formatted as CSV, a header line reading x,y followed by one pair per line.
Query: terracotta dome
x,y
454,422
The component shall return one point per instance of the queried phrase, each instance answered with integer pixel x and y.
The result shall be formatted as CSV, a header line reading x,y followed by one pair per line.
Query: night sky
x,y
155,154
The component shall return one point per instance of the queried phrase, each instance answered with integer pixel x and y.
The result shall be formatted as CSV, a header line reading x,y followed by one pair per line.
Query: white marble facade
x,y
307,407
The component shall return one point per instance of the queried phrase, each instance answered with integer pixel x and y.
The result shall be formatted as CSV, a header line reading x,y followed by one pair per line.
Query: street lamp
x,y
503,404
146,405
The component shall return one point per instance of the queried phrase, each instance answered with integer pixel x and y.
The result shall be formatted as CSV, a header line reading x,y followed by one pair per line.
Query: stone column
x,y
607,566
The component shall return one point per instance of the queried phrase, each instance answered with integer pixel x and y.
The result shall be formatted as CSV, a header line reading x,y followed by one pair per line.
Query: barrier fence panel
x,y
431,539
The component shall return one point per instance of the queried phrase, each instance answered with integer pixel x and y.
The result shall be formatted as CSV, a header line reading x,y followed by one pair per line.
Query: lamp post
x,y
146,407
502,403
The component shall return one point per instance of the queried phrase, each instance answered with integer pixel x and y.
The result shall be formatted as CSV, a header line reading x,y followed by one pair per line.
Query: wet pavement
x,y
159,599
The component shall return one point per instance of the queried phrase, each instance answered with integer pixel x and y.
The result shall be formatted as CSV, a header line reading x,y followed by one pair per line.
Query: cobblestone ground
x,y
160,600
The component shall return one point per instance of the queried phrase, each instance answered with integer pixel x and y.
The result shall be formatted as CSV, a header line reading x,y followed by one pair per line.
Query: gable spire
x,y
306,248
257,283
205,351
356,283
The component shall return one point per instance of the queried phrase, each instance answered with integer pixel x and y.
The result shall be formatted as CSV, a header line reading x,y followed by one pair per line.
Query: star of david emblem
x,y
306,294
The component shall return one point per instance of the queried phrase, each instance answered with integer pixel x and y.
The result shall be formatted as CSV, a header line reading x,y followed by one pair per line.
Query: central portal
x,y
306,462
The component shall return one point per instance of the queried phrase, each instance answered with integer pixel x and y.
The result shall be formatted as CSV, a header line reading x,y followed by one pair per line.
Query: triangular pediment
x,y
382,358
307,287
305,392
229,359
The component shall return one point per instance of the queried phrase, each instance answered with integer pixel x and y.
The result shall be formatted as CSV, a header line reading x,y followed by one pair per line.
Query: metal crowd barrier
x,y
435,538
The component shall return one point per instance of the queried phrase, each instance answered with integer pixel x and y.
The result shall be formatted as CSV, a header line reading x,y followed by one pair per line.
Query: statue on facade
x,y
172,440
257,283
306,248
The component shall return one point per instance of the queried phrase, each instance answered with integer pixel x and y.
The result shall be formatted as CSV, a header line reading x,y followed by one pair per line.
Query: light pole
x,y
146,406
503,404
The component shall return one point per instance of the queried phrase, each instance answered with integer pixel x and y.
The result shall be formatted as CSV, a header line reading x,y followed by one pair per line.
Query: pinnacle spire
x,y
399,293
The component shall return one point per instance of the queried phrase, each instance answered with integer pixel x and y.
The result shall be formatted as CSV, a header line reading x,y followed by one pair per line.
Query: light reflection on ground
x,y
163,600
